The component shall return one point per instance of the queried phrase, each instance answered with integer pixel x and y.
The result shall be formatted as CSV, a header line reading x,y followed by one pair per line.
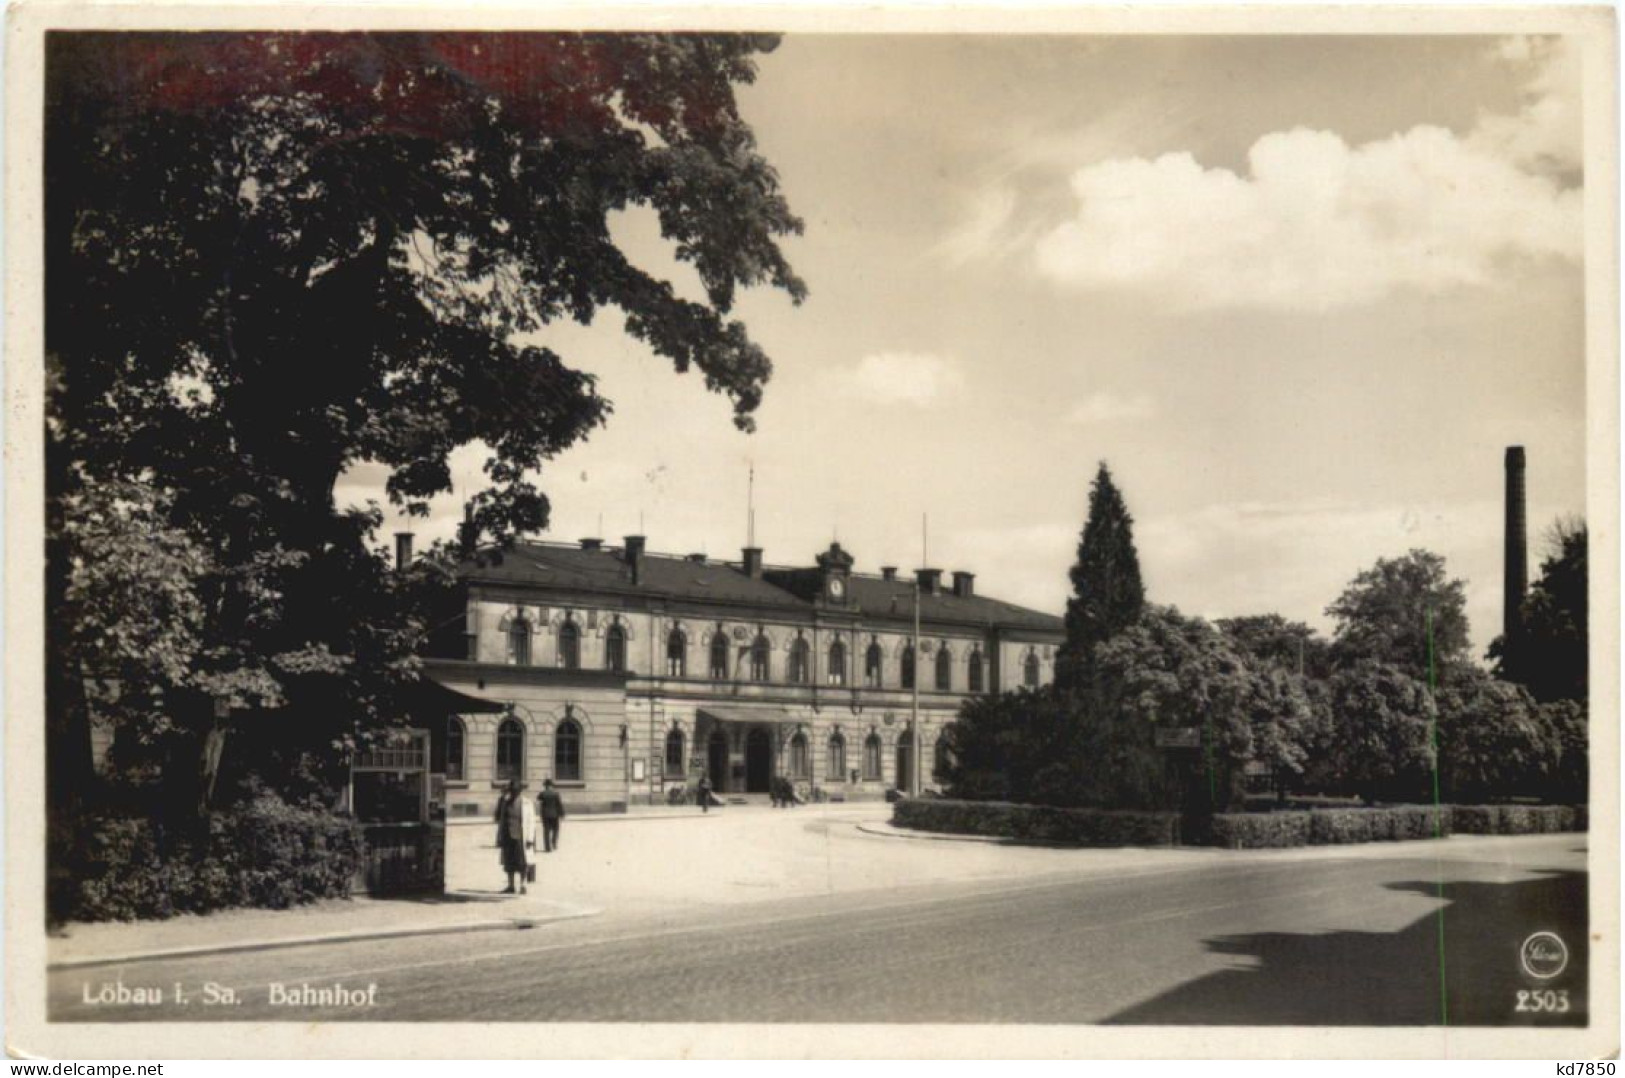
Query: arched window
x,y
615,649
908,667
873,661
800,761
1030,670
800,659
676,654
837,663
945,670
567,752
510,751
835,768
719,655
871,758
761,658
976,670
939,758
519,643
674,754
454,749
570,646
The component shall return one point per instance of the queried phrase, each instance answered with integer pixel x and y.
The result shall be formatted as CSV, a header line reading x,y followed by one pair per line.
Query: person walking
x,y
510,820
702,792
552,806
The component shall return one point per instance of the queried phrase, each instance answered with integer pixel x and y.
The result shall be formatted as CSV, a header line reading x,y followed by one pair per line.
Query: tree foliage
x,y
1107,592
1381,741
1387,612
1493,740
271,257
1551,655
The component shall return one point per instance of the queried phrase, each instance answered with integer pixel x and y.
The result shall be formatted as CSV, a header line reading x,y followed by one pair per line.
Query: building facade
x,y
624,674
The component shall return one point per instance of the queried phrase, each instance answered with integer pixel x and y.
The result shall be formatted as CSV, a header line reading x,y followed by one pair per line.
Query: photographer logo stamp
x,y
1543,955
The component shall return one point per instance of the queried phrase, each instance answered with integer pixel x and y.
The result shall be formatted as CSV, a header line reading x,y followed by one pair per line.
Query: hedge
x,y
1263,830
262,853
1328,827
1044,823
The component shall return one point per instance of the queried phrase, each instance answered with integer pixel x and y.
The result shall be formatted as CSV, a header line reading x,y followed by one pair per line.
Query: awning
x,y
773,716
428,696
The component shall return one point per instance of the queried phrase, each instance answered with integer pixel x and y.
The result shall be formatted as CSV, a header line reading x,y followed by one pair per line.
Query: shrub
x,y
263,852
1476,819
1253,831
1336,827
1081,827
1519,820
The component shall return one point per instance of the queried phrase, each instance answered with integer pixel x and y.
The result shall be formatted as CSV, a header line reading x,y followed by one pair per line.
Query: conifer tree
x,y
1108,594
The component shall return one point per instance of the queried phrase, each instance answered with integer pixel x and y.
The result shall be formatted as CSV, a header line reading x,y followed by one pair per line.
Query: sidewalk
x,y
332,921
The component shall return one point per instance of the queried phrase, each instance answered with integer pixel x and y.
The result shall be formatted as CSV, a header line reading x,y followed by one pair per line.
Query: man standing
x,y
702,793
552,806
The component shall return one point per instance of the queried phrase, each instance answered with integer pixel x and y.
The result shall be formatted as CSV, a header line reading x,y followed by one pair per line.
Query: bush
x,y
1079,827
262,853
1255,831
1337,827
1476,819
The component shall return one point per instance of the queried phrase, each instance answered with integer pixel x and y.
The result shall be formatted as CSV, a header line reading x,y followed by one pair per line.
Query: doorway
x,y
716,759
758,761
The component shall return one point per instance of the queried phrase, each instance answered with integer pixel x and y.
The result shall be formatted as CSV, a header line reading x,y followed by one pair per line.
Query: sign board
x,y
638,773
1179,737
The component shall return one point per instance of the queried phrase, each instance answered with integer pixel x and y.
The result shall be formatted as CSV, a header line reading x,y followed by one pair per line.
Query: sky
x,y
1298,293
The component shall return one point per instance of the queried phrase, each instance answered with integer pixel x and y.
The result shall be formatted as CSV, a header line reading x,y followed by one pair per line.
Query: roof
x,y
569,567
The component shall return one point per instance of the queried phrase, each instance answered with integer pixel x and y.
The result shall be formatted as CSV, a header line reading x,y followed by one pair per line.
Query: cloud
x,y
915,378
1110,408
1314,224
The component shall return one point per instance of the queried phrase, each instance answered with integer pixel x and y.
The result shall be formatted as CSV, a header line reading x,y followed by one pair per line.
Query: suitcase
x,y
530,873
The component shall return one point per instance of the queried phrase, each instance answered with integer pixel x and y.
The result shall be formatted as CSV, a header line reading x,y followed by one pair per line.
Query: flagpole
x,y
915,749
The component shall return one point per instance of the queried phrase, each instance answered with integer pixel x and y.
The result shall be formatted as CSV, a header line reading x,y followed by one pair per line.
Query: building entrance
x,y
905,761
758,762
716,760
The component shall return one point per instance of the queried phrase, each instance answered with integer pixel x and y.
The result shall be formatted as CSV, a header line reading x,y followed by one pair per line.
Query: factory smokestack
x,y
1516,566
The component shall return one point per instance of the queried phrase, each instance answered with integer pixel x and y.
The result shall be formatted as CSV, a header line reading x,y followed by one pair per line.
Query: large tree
x,y
1107,592
1405,612
271,257
1550,656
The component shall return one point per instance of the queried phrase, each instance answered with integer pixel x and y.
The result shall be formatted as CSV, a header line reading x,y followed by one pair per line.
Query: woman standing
x,y
510,818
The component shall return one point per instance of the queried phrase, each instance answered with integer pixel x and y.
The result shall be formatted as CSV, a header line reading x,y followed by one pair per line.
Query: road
x,y
1246,939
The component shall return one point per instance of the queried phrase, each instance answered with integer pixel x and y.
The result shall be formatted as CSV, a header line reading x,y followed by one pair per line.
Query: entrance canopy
x,y
769,715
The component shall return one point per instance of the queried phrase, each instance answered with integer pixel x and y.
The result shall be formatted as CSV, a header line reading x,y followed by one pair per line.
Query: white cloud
x,y
1313,222
1111,407
916,378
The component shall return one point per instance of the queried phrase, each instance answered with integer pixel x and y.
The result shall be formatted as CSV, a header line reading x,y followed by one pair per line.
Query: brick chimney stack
x,y
752,559
888,572
634,557
930,580
964,584
403,551
1516,562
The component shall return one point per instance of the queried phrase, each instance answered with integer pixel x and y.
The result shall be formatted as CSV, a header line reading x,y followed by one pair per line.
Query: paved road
x,y
1254,940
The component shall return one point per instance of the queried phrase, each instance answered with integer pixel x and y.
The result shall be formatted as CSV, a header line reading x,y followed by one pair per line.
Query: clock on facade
x,y
836,588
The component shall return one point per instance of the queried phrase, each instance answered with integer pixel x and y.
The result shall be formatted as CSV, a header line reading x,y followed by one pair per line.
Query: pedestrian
x,y
510,821
552,806
702,792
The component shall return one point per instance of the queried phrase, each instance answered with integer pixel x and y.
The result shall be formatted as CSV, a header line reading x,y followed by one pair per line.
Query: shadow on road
x,y
1393,978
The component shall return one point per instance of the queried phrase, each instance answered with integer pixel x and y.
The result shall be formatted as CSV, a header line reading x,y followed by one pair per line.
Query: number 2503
x,y
1553,1000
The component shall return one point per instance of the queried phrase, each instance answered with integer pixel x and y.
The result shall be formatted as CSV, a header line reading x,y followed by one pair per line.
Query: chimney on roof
x,y
634,557
930,580
888,572
753,562
697,559
403,551
468,534
592,544
964,584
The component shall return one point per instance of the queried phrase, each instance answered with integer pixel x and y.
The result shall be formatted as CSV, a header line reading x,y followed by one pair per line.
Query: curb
x,y
354,936
893,831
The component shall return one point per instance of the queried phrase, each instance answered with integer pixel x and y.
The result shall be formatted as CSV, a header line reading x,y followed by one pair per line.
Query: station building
x,y
622,674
